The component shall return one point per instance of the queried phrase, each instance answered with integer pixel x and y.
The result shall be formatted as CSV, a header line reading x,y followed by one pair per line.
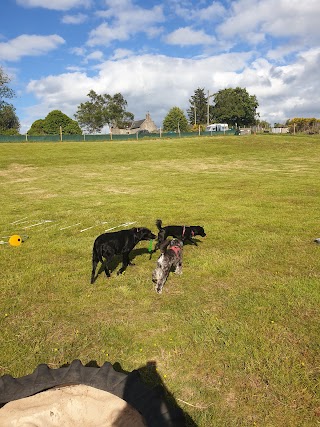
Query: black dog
x,y
171,257
119,242
182,232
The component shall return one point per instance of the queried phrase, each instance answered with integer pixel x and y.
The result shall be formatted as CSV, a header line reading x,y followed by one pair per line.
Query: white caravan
x,y
217,127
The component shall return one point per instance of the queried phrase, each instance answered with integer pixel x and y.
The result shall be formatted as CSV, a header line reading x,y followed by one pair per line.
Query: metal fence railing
x,y
106,137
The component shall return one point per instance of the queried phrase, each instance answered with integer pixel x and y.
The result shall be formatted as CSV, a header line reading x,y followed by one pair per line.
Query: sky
x,y
157,53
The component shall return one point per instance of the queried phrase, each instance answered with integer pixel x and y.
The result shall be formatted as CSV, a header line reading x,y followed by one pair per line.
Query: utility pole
x,y
195,113
209,96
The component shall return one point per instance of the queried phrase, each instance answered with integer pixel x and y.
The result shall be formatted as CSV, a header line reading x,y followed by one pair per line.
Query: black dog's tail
x,y
159,224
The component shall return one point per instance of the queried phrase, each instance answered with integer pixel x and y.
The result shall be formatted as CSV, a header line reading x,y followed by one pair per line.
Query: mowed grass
x,y
237,335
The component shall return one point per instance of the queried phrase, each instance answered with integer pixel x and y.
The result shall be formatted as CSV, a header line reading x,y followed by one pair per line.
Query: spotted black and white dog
x,y
170,258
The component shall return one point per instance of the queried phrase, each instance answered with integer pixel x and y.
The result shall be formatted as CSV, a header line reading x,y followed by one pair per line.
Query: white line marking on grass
x,y
19,220
45,221
69,226
120,225
112,228
96,225
195,406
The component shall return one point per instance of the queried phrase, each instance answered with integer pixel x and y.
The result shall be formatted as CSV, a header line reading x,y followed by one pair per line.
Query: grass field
x,y
237,335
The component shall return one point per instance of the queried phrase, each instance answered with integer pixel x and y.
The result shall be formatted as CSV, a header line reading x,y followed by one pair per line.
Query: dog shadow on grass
x,y
117,261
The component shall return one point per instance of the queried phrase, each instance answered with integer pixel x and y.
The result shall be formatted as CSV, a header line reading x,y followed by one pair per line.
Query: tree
x,y
37,128
9,122
5,91
103,110
51,125
303,124
235,107
263,124
198,107
175,121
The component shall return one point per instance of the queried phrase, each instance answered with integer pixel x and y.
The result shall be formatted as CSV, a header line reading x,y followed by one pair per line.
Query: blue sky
x,y
157,53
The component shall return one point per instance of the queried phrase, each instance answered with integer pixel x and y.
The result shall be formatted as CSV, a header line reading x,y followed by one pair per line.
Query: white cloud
x,y
97,55
187,37
276,18
105,34
78,51
28,45
190,12
55,4
79,18
121,53
74,68
156,83
125,19
148,83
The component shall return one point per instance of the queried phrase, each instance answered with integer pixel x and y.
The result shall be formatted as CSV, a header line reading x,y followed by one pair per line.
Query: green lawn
x,y
237,335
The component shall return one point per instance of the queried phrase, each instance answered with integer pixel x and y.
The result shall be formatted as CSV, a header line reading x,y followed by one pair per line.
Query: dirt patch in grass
x,y
41,194
18,172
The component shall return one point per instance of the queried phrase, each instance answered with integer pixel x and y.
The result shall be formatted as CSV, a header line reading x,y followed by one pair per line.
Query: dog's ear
x,y
137,230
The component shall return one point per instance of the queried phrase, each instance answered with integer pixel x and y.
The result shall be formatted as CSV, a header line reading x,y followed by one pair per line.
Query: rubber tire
x,y
148,401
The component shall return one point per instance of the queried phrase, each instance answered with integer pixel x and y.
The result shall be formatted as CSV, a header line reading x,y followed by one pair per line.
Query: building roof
x,y
136,124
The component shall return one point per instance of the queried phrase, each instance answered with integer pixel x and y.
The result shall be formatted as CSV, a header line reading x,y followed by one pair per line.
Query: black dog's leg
x,y
106,269
108,255
161,238
125,262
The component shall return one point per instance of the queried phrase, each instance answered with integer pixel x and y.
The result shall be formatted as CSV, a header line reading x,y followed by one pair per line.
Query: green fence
x,y
106,137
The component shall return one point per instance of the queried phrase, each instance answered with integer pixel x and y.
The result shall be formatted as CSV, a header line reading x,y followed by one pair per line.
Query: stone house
x,y
146,125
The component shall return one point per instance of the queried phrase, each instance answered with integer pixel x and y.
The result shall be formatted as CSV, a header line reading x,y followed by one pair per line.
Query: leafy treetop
x,y
175,121
103,110
235,107
9,122
51,125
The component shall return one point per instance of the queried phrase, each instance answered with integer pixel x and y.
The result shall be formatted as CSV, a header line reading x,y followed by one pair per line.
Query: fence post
x,y
60,133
